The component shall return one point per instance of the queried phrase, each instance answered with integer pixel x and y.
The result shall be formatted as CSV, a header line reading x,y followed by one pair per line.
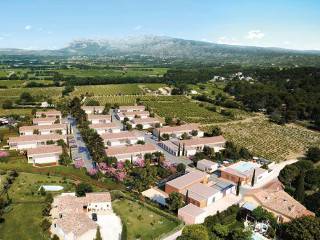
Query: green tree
x,y
253,178
181,167
312,202
25,98
82,189
300,229
98,234
299,192
288,174
313,154
7,104
194,232
175,201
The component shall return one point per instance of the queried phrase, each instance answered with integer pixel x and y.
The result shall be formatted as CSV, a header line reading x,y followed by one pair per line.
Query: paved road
x,y
81,151
173,159
114,119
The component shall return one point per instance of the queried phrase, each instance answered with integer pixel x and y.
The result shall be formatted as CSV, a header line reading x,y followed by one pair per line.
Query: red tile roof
x,y
114,151
49,149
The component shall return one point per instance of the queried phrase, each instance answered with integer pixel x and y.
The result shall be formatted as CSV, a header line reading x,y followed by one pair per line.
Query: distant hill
x,y
167,47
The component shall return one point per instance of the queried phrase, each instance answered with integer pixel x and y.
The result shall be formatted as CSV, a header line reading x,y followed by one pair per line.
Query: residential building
x,y
99,119
33,141
131,115
48,114
43,129
71,215
45,121
146,123
106,127
275,200
133,152
191,146
44,156
92,109
207,166
192,214
177,131
243,172
181,184
121,138
131,108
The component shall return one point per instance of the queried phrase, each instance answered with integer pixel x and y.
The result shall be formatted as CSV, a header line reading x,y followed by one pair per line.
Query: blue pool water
x,y
244,167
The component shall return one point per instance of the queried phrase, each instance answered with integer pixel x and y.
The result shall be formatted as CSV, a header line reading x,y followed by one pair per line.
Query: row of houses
x,y
40,140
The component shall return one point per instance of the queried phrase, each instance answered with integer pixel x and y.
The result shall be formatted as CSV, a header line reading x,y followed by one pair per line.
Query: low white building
x,y
99,119
44,156
92,109
45,121
26,142
106,127
121,138
71,215
49,113
192,214
131,115
131,108
43,129
207,166
133,152
146,123
177,131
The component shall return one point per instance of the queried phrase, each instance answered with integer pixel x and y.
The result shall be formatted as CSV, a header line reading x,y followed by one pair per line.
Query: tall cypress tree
x,y
159,136
299,193
183,149
253,178
187,197
238,187
179,149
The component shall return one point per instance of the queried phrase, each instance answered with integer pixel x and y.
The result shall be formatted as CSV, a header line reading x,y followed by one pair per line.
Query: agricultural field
x,y
188,110
208,88
108,90
17,111
20,83
141,222
270,140
120,100
115,72
23,218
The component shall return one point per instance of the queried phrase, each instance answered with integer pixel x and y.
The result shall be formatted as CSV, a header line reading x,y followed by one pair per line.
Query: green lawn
x,y
141,222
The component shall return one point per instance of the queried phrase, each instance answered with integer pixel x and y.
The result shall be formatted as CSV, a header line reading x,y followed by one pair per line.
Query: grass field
x,y
270,140
208,88
116,72
21,83
141,222
18,111
23,220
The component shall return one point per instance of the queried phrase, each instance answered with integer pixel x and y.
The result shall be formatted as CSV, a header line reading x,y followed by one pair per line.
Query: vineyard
x,y
20,83
270,140
108,90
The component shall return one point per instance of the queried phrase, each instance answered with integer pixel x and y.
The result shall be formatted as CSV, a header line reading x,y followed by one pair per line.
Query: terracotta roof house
x,y
92,109
71,215
121,138
131,115
191,146
177,131
145,122
44,156
275,200
131,108
99,119
45,121
133,152
43,129
192,214
33,141
49,113
181,184
106,127
243,172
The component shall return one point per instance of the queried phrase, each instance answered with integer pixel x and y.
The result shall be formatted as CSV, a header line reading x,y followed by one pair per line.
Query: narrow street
x,y
80,151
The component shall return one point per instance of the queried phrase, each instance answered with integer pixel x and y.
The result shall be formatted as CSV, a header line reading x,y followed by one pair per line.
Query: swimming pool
x,y
244,166
51,188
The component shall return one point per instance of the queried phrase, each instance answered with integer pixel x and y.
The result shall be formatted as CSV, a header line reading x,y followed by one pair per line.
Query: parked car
x,y
94,217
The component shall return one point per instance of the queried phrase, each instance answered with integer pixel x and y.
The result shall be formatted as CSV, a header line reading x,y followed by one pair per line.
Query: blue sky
x,y
50,24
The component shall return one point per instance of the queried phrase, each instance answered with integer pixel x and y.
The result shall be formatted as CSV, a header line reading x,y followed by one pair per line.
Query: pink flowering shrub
x,y
3,154
103,166
139,163
79,163
93,171
120,165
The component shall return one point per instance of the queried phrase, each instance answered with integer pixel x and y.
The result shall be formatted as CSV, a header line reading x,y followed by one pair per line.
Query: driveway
x,y
81,150
173,159
114,119
110,226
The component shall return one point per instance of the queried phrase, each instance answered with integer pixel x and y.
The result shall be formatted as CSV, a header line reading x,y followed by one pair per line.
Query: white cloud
x,y
255,35
28,27
1,38
137,28
206,40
